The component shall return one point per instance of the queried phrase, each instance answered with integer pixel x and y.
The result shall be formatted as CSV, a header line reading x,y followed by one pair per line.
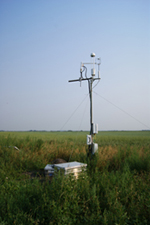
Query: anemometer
x,y
93,147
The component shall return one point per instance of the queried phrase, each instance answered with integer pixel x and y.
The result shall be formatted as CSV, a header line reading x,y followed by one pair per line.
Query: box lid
x,y
70,165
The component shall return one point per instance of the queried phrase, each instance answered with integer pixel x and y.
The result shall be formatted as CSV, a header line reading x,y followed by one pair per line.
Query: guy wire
x,y
74,112
121,110
78,129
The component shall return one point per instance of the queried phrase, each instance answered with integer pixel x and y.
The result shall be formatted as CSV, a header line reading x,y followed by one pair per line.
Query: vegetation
x,y
114,190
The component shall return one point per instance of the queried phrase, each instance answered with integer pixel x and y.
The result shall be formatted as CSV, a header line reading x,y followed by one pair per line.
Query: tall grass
x,y
114,190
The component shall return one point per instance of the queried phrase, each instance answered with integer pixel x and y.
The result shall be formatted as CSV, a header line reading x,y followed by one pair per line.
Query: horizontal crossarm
x,y
81,79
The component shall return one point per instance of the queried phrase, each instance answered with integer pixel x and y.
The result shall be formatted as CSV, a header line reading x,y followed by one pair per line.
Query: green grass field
x,y
114,190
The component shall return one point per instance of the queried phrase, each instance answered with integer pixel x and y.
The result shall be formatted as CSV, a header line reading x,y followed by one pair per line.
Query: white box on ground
x,y
49,170
73,168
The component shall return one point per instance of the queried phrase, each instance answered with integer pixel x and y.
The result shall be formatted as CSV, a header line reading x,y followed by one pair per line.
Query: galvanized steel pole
x,y
90,82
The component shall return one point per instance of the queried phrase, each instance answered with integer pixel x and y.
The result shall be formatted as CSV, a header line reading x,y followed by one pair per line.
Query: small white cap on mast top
x,y
93,54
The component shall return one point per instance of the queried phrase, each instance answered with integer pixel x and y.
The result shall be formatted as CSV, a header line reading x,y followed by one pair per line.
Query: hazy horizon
x,y
41,47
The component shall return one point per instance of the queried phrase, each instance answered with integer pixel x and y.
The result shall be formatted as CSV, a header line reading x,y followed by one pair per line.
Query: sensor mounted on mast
x,y
93,147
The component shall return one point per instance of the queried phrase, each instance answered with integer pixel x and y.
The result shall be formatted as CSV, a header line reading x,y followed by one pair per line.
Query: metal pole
x,y
91,114
90,80
91,107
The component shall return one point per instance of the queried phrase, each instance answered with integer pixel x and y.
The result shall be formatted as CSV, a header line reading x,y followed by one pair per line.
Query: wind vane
x,y
93,147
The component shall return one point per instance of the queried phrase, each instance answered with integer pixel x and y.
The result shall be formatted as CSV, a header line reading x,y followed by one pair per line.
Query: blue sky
x,y
42,44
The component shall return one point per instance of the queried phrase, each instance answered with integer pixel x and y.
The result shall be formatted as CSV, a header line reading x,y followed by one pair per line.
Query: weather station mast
x,y
93,147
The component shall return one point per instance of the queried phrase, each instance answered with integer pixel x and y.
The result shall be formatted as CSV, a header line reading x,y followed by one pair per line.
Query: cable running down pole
x,y
93,147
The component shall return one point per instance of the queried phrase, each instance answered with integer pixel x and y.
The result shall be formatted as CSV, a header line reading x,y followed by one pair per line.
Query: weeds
x,y
114,190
